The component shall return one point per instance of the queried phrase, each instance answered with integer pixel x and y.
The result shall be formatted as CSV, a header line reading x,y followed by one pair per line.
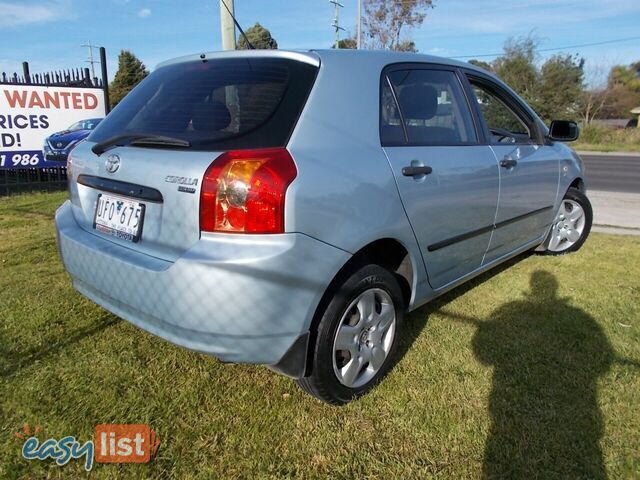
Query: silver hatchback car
x,y
287,208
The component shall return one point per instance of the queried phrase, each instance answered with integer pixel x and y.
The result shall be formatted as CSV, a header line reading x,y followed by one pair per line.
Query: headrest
x,y
419,102
211,117
445,109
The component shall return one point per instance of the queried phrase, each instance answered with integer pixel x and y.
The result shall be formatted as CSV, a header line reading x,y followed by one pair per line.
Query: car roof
x,y
318,56
388,57
306,56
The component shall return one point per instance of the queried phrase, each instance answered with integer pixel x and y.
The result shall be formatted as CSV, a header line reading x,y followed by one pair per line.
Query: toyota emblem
x,y
59,144
112,163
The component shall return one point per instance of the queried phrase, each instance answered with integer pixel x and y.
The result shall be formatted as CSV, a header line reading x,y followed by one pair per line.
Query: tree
x,y
554,90
595,96
624,91
348,43
629,76
130,72
517,66
482,64
259,37
560,88
620,100
592,104
384,21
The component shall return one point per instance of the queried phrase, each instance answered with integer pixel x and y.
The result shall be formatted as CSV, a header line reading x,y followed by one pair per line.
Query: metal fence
x,y
54,177
32,179
74,77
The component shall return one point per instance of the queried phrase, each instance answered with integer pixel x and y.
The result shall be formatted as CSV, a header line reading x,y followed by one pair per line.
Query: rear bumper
x,y
239,298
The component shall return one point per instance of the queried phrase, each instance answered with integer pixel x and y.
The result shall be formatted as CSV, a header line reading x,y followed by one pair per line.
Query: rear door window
x,y
216,104
428,107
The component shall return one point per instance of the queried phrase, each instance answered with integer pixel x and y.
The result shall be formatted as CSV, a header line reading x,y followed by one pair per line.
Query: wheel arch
x,y
389,253
578,184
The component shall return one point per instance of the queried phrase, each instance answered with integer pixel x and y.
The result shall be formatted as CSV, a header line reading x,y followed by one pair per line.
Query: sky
x,y
49,33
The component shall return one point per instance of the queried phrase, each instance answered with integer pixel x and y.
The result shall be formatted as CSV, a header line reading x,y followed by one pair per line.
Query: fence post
x,y
25,71
105,80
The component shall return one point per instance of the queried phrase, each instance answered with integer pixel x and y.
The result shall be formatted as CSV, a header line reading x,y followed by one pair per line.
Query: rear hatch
x,y
145,162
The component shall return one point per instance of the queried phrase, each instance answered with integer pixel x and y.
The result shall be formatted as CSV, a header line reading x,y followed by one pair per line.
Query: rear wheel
x,y
571,225
357,336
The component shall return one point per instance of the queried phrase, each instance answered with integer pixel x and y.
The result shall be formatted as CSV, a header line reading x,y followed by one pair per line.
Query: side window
x,y
391,130
504,125
432,109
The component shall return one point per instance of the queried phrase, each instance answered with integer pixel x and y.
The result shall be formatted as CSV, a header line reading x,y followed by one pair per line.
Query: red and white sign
x,y
29,114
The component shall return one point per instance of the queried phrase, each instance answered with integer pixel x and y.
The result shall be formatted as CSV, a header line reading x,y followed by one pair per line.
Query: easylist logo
x,y
113,443
132,443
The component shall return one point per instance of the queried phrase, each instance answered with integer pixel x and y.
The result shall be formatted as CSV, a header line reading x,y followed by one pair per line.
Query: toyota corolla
x,y
288,208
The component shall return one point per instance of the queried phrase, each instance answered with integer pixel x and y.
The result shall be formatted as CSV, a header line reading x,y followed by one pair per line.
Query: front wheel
x,y
571,225
356,337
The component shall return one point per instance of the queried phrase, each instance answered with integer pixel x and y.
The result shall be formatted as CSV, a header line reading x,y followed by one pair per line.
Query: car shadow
x,y
547,357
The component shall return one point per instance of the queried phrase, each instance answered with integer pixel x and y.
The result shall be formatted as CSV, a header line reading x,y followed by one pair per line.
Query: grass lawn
x,y
529,372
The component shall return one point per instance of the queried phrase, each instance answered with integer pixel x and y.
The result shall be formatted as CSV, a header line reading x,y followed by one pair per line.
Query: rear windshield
x,y
216,104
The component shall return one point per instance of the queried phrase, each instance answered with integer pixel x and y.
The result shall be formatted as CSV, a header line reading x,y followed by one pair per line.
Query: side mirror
x,y
564,131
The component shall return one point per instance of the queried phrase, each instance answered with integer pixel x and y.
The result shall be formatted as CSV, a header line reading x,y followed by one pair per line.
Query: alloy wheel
x,y
567,227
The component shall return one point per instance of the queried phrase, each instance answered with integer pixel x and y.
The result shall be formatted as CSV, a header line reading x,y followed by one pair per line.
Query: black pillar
x,y
105,79
25,71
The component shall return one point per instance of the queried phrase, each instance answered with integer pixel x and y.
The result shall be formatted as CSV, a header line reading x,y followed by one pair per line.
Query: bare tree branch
x,y
386,20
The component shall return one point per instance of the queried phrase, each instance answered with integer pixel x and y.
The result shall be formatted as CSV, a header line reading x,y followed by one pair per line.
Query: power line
x,y
555,49
336,21
233,17
359,28
90,59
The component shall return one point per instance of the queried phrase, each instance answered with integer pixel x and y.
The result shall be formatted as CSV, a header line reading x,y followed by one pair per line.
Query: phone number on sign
x,y
21,159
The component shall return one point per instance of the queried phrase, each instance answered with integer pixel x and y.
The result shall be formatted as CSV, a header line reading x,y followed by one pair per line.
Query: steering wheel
x,y
502,133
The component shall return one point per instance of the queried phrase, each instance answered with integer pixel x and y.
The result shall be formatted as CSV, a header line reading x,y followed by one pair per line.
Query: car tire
x,y
571,225
357,332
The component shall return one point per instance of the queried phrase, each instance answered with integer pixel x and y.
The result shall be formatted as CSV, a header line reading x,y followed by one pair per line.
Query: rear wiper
x,y
138,139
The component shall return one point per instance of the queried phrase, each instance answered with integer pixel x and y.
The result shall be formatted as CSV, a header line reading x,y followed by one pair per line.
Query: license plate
x,y
119,217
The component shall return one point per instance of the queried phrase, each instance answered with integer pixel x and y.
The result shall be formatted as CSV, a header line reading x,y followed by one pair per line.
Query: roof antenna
x,y
251,47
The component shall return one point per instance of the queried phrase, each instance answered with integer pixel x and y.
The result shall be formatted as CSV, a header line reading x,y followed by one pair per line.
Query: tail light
x,y
243,191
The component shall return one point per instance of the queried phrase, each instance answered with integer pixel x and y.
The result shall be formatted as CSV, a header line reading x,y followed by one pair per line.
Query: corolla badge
x,y
112,164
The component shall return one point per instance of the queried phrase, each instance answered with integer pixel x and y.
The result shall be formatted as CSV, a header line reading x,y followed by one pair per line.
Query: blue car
x,y
56,147
240,205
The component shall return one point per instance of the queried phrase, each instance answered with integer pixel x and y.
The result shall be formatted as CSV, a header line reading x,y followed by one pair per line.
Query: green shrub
x,y
601,137
594,133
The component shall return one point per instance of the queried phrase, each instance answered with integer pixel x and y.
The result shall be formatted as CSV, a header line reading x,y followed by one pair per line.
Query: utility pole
x,y
227,25
336,21
359,35
90,59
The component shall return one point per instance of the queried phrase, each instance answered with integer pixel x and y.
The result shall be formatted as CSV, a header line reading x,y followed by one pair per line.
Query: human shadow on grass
x,y
547,357
417,320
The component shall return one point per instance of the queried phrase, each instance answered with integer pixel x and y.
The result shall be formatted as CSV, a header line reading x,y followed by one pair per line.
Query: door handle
x,y
415,171
508,163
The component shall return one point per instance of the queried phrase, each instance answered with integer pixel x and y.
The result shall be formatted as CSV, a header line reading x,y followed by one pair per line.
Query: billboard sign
x,y
29,114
